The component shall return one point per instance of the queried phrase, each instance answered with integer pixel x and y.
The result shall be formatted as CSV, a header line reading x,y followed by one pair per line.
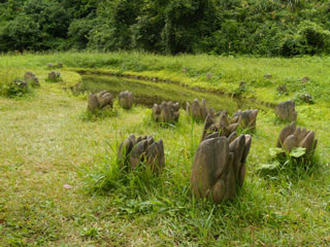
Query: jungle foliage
x,y
259,27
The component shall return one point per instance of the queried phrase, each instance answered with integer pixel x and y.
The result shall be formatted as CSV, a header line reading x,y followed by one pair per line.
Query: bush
x,y
315,37
20,34
10,86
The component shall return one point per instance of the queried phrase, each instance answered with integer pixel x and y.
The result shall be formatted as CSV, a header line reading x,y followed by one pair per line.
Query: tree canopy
x,y
260,27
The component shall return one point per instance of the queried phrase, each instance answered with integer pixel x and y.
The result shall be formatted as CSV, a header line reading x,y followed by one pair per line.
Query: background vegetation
x,y
263,27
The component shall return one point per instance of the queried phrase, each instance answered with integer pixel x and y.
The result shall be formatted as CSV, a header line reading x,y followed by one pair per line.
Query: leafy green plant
x,y
10,86
290,163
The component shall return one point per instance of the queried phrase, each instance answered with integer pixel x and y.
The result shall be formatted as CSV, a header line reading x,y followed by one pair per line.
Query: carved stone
x,y
247,119
221,124
286,111
291,137
31,78
100,101
134,151
198,110
126,100
166,112
219,167
54,76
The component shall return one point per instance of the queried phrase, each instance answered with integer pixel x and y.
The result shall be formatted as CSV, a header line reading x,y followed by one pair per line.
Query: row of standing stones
x,y
219,168
30,79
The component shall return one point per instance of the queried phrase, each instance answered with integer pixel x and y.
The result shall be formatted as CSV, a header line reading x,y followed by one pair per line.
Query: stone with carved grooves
x,y
219,167
167,112
142,150
292,137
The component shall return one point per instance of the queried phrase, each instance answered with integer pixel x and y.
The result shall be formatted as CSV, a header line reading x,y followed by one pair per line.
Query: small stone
x,y
166,112
198,110
286,111
67,186
99,101
31,78
307,98
126,100
282,89
305,79
135,151
54,76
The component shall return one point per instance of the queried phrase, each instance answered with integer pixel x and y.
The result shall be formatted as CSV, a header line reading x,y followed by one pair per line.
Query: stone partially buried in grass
x,y
292,137
126,100
32,79
99,101
221,124
142,150
219,167
166,112
198,110
55,66
54,76
286,111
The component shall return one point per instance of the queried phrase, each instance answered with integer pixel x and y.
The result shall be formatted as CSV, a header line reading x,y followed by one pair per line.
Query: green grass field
x,y
46,142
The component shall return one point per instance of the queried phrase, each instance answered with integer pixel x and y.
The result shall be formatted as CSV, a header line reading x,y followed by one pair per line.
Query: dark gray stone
x,y
219,167
291,137
54,76
286,111
126,100
167,112
198,110
99,101
135,151
31,78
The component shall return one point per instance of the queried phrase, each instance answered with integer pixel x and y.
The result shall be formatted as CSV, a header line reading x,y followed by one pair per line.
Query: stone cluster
x,y
198,110
134,151
219,167
286,111
166,112
54,76
99,101
221,124
31,78
292,137
55,66
126,100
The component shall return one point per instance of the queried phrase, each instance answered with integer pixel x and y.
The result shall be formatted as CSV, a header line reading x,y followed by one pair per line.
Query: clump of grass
x,y
98,114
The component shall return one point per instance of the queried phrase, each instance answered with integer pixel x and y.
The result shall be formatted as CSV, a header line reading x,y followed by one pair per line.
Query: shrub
x,y
10,86
316,38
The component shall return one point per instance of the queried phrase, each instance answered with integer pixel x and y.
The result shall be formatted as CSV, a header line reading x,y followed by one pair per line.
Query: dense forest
x,y
259,27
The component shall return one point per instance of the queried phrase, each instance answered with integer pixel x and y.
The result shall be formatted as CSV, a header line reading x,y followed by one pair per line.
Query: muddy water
x,y
147,93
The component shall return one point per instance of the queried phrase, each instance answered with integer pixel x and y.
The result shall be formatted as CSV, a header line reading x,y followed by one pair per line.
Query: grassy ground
x,y
46,143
